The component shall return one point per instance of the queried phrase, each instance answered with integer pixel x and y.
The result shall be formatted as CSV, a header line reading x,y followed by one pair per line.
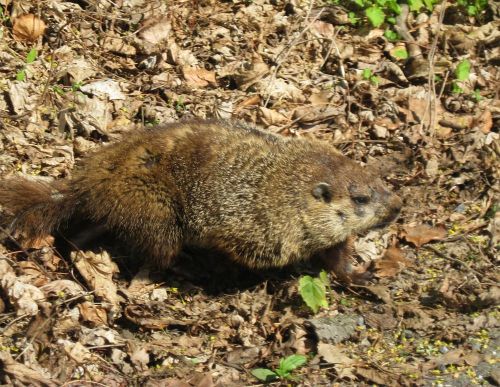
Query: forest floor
x,y
79,74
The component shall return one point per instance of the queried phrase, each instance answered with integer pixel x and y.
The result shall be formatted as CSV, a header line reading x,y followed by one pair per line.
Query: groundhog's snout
x,y
394,204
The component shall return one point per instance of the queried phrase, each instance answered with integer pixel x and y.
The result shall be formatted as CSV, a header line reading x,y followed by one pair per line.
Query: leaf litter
x,y
77,75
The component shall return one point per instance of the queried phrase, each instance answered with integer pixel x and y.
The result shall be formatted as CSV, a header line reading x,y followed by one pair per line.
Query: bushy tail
x,y
33,209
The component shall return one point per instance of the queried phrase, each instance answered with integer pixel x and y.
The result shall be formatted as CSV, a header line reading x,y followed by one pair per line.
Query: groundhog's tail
x,y
33,209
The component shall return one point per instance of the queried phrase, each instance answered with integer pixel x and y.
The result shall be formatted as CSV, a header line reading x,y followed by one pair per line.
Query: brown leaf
x,y
198,77
155,29
28,27
272,117
391,263
484,121
98,270
381,292
96,315
374,376
422,234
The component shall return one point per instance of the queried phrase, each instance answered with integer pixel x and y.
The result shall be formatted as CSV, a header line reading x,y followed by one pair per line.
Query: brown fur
x,y
265,200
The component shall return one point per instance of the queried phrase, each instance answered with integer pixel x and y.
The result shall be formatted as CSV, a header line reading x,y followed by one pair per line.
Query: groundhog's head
x,y
346,199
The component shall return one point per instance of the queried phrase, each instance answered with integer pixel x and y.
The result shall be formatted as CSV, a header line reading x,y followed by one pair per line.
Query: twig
x,y
283,54
431,103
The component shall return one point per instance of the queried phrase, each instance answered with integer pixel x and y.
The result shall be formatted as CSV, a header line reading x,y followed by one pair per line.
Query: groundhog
x,y
263,199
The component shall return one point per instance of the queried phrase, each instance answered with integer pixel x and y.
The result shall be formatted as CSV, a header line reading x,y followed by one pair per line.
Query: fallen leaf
x,y
98,270
155,29
23,374
140,358
76,351
375,376
197,78
422,234
26,298
93,314
382,292
28,27
392,262
334,354
63,287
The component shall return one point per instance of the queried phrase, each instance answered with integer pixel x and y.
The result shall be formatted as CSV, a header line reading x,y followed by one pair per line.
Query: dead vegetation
x,y
76,74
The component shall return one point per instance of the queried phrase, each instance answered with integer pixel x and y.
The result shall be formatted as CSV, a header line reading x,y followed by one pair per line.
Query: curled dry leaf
x,y
76,351
391,263
272,117
140,358
196,78
28,27
155,29
26,298
63,287
423,233
98,270
95,315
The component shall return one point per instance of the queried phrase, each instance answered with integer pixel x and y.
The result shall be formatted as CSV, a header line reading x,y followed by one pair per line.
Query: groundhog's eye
x,y
323,191
361,199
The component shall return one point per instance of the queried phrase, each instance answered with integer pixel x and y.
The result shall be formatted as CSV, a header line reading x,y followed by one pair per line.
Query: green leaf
x,y
455,89
264,374
415,5
375,15
394,6
31,56
462,71
21,75
400,53
313,292
391,35
367,74
353,18
375,80
361,3
429,4
290,363
323,276
477,95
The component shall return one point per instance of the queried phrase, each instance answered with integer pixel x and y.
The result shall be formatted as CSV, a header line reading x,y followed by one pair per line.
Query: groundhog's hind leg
x,y
142,218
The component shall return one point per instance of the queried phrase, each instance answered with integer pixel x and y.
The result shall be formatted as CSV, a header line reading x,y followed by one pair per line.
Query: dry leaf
x,y
271,117
98,270
334,354
63,287
140,358
196,78
155,29
28,27
93,314
26,298
422,234
391,263
76,351
381,292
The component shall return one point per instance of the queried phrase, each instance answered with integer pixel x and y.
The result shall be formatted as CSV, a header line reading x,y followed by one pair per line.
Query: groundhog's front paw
x,y
361,276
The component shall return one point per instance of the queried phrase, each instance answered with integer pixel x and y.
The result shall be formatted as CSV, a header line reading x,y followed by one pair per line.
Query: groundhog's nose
x,y
395,204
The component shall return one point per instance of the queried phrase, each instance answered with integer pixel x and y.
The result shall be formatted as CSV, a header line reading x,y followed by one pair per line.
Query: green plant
x,y
379,12
30,58
473,7
284,370
369,76
462,73
313,290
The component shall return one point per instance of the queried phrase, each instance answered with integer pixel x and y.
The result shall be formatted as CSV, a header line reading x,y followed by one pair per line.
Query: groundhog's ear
x,y
323,191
